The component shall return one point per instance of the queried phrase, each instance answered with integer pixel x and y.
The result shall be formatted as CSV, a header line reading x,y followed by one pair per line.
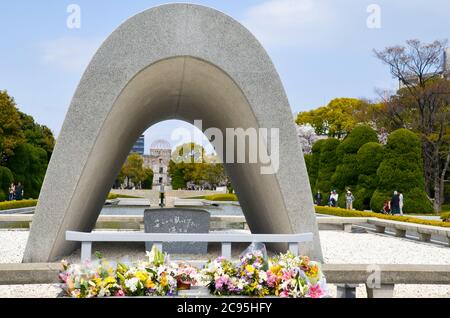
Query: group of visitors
x,y
392,206
15,192
334,197
395,205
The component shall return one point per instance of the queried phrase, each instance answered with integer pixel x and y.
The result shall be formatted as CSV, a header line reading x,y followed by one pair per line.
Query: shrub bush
x,y
6,178
378,198
28,165
445,217
327,164
346,174
352,213
314,166
8,205
402,170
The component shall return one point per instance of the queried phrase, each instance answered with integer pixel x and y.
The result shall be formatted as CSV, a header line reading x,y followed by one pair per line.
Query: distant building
x,y
138,146
158,160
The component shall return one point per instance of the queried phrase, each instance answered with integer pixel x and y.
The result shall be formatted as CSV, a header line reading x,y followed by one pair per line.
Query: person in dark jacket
x,y
395,203
318,198
18,195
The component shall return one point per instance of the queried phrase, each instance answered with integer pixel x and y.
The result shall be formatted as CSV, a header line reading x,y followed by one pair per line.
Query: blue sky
x,y
321,48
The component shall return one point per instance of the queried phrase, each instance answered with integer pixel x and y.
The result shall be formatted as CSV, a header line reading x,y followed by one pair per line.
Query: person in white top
x,y
400,202
333,201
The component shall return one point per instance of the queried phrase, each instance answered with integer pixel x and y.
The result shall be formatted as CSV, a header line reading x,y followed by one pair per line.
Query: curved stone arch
x,y
178,61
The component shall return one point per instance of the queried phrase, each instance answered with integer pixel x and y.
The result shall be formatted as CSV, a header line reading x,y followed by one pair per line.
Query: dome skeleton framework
x,y
160,144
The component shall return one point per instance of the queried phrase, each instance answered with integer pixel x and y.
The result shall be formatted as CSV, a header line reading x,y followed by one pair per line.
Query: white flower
x,y
131,284
262,276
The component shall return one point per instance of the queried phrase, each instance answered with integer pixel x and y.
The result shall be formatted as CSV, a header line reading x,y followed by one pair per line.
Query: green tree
x,y
176,172
338,118
6,178
368,159
37,135
327,164
346,174
147,183
402,170
314,163
423,105
28,165
11,134
133,169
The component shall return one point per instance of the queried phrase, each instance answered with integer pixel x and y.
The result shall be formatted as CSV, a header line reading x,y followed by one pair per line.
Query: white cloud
x,y
290,22
70,54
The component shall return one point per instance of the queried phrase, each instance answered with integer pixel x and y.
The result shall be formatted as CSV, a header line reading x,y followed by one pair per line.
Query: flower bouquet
x,y
92,279
286,276
186,276
296,276
220,277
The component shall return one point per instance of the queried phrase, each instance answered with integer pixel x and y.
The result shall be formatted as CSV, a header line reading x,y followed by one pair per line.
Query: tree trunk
x,y
429,172
439,184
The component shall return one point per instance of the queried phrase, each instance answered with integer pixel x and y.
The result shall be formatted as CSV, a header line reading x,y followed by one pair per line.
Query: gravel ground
x,y
338,247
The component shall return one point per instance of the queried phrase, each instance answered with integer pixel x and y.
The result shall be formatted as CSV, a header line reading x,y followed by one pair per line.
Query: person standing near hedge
x,y
400,197
19,192
12,190
395,203
349,198
333,201
318,198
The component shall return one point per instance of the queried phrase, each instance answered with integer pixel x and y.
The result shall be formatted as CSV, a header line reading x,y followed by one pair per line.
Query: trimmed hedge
x,y
402,170
6,178
353,213
445,217
8,205
217,197
221,197
113,196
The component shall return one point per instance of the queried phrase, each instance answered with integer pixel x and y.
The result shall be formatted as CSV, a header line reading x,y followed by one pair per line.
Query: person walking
x,y
18,194
11,190
395,203
318,198
400,197
349,198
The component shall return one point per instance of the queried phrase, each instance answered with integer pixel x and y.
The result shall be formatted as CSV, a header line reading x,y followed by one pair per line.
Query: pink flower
x,y
288,274
315,291
284,293
120,293
63,277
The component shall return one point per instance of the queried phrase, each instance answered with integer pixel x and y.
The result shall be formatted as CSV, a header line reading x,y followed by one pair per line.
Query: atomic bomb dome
x,y
160,144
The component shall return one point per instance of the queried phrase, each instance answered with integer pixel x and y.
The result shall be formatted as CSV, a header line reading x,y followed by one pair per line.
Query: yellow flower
x,y
149,284
275,269
249,268
142,276
109,280
313,271
163,280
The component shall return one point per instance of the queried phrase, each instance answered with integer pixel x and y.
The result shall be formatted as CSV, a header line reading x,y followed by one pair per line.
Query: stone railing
x,y
218,222
225,239
380,280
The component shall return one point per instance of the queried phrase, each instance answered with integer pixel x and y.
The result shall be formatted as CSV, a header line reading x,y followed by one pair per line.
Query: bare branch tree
x,y
422,104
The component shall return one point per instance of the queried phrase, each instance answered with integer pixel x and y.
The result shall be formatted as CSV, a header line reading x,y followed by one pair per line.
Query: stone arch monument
x,y
176,61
